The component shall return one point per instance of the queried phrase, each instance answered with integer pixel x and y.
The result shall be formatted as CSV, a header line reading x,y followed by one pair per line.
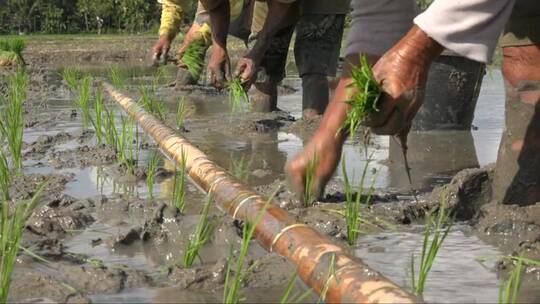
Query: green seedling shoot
x,y
353,212
193,58
436,230
153,162
11,49
201,236
126,144
181,113
150,104
72,76
111,133
11,118
298,297
98,116
366,99
240,168
5,176
237,96
310,195
235,278
179,188
116,77
11,229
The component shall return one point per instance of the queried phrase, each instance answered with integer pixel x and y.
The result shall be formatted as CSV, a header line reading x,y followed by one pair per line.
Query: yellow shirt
x,y
172,12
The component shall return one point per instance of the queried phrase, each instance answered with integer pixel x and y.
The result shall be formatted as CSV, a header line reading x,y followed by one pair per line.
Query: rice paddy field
x,y
93,211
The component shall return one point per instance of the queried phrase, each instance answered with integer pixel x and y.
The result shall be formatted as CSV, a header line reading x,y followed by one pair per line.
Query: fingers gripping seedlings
x,y
179,181
237,96
201,236
11,228
437,228
366,99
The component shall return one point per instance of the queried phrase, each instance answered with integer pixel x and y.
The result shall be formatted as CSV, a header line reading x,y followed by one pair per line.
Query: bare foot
x,y
322,154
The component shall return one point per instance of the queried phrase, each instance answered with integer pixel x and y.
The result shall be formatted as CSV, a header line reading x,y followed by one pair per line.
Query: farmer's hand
x,y
160,50
219,67
246,69
403,72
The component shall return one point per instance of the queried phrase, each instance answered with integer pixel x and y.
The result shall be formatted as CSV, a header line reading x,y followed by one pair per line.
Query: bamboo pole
x,y
311,252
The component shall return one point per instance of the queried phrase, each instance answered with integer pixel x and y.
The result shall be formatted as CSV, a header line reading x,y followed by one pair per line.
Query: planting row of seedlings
x,y
437,227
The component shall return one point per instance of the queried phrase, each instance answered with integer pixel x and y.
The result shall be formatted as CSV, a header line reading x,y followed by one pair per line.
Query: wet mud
x,y
100,234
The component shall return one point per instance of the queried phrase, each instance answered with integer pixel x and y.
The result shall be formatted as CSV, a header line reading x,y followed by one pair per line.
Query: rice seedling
x,y
110,132
240,168
298,297
179,185
234,279
352,212
15,46
330,276
116,77
193,58
309,195
181,113
71,76
201,236
5,176
153,162
437,228
12,122
126,144
508,292
11,228
237,96
150,104
83,99
98,115
366,100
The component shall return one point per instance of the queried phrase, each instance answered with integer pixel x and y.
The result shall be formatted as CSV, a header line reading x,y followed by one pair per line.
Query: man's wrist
x,y
418,46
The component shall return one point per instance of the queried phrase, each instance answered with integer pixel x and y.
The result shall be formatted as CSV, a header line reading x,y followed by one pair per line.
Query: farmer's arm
x,y
280,14
218,66
469,28
171,17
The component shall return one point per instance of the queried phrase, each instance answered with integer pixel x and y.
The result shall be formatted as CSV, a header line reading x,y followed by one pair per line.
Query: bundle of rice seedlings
x,y
12,49
71,76
237,95
193,58
366,100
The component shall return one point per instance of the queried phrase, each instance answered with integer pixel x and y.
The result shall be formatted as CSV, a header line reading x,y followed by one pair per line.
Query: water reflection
x,y
434,157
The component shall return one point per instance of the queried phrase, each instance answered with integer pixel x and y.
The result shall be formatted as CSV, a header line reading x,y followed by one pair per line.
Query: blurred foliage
x,y
75,16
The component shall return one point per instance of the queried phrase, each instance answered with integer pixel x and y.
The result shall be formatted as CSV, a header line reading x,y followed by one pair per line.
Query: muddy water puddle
x,y
434,157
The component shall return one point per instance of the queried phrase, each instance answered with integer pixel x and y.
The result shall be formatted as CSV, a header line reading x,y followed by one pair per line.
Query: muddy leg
x,y
315,94
517,172
264,96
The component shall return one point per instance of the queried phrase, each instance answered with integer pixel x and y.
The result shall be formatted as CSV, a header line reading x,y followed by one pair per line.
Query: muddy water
x,y
434,157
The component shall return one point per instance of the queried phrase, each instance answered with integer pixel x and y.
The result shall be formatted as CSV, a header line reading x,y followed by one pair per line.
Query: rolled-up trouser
x,y
317,46
517,171
377,25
